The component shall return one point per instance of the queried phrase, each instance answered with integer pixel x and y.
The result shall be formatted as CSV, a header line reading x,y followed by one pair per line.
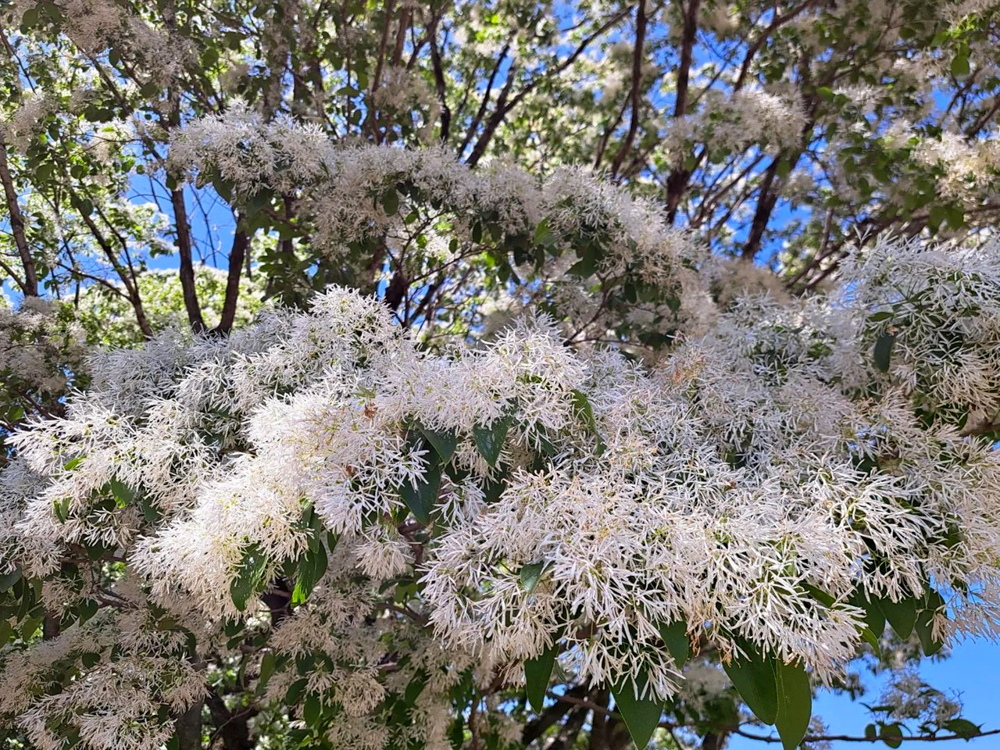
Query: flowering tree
x,y
575,374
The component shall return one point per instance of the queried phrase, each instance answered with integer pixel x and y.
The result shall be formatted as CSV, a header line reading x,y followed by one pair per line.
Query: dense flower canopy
x,y
485,375
761,484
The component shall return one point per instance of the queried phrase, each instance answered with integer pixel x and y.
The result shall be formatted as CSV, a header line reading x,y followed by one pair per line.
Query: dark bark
x,y
638,55
29,284
550,716
678,180
188,728
188,289
240,243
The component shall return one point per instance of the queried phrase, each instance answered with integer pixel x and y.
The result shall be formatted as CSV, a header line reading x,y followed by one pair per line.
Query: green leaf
x,y
936,217
928,642
312,566
268,662
883,350
676,640
641,715
7,580
61,508
794,703
874,616
584,410
312,709
420,499
901,615
123,494
89,659
754,679
587,265
871,733
149,511
444,443
390,201
869,637
932,604
891,735
537,673
819,595
489,440
963,728
530,574
544,235
251,575
86,609
295,691
960,65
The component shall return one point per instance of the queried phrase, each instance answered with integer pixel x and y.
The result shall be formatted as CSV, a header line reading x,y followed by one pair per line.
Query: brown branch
x,y
636,91
678,180
186,271
849,738
487,92
127,280
29,284
765,207
553,714
504,107
776,22
439,83
240,243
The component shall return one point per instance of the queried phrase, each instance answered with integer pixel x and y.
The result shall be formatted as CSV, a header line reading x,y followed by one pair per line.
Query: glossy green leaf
x,y
251,576
420,499
444,443
902,615
883,351
537,673
676,640
489,440
891,735
390,201
312,709
794,703
311,568
7,580
963,728
268,662
754,679
544,235
641,715
530,574
123,494
869,637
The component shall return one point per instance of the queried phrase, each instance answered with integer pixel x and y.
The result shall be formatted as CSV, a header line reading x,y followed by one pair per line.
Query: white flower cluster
x,y
968,167
345,186
730,122
573,498
126,668
39,348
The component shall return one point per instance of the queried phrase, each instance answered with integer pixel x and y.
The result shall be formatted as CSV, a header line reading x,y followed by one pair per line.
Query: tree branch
x,y
29,284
